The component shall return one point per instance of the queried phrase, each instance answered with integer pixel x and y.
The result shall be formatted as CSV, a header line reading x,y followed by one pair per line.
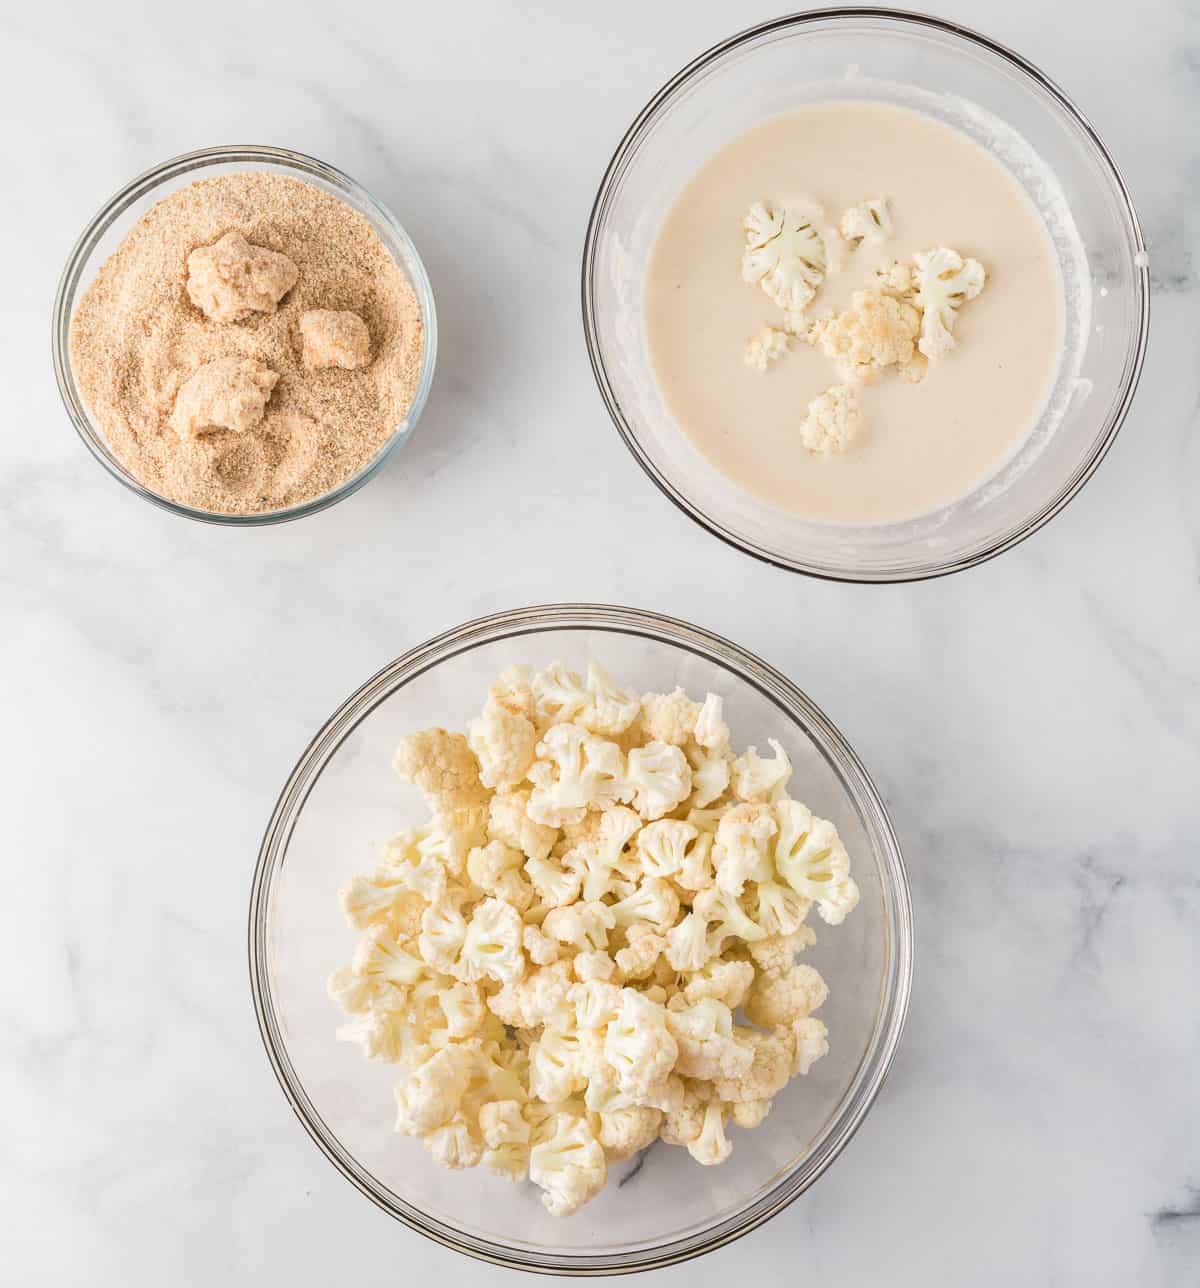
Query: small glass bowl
x,y
993,95
343,798
105,232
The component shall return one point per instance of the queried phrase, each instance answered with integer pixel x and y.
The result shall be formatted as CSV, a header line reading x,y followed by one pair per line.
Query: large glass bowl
x,y
996,97
109,226
343,798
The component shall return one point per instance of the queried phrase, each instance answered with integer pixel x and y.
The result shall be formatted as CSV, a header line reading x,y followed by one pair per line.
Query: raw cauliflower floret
x,y
725,918
756,779
711,731
784,254
233,279
704,1035
740,852
609,710
542,997
659,779
689,946
809,1042
539,947
512,689
878,331
575,771
496,869
598,859
381,960
944,282
728,982
710,774
777,1001
492,944
833,420
431,1094
895,278
811,858
869,221
669,717
509,821
768,1070
558,694
227,393
557,886
334,338
642,950
765,347
506,1136
555,1069
504,743
639,1046
662,847
583,926
654,903
777,952
711,1145
570,1166
454,1145
777,909
442,766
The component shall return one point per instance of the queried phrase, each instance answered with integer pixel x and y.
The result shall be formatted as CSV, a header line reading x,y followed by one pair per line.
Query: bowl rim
x,y
863,1087
901,19
146,182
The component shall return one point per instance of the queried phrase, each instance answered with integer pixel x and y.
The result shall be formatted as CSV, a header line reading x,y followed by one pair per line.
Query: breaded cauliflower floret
x,y
878,331
765,347
227,393
833,420
233,279
334,338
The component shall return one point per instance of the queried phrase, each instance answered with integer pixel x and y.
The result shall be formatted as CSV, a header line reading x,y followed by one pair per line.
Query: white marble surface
x,y
1034,724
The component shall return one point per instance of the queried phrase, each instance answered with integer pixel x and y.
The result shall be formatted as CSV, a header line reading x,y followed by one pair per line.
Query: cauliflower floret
x,y
696,871
334,338
784,254
726,981
609,710
869,221
509,821
777,909
638,1045
749,1113
770,1067
430,1095
556,885
642,950
381,960
554,1065
233,279
895,278
765,347
740,851
809,1042
575,772
355,993
711,1146
542,997
707,1045
539,947
777,952
496,869
711,732
622,1127
662,847
596,1003
777,1001
944,281
570,1166
381,899
443,932
726,918
454,1146
492,945
504,743
756,779
877,331
596,965
710,774
512,690
506,1136
227,393
583,926
683,1123
443,768
464,1008
558,694
659,779
688,944
832,422
669,717
597,858
384,1035
811,858
654,903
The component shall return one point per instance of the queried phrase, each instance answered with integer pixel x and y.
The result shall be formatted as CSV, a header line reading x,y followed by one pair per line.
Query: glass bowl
x,y
343,798
105,232
996,97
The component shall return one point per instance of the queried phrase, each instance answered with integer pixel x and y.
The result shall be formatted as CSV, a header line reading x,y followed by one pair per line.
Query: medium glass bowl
x,y
993,95
106,230
343,798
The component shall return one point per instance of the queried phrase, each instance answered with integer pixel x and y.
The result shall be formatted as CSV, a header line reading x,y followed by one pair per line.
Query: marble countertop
x,y
1034,724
